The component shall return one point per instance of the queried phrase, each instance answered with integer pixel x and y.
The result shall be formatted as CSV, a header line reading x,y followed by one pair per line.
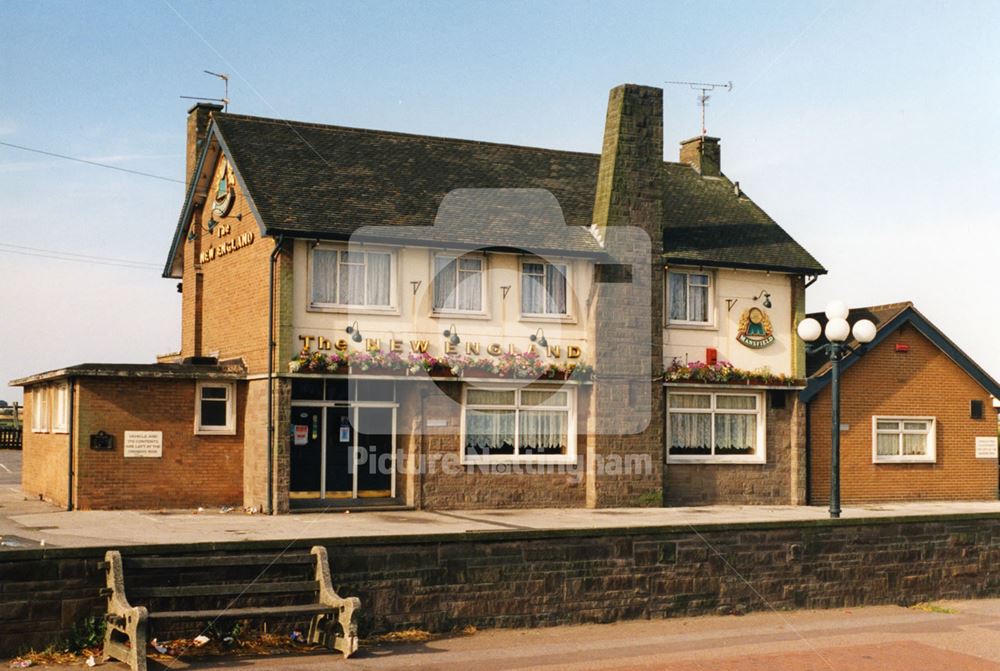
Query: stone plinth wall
x,y
524,579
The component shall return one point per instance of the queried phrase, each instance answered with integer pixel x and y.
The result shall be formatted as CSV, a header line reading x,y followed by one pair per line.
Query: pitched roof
x,y
887,319
318,181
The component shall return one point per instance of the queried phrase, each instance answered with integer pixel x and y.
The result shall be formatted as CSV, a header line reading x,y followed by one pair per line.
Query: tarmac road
x,y
10,468
882,638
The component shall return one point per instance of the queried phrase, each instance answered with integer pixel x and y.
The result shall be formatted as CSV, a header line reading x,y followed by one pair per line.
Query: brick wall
x,y
194,470
225,300
921,382
45,460
528,579
780,481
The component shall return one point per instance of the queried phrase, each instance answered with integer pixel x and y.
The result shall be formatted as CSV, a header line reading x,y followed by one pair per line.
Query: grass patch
x,y
931,607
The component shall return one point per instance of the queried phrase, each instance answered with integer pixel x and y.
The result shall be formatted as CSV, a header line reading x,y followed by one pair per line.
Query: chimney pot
x,y
703,154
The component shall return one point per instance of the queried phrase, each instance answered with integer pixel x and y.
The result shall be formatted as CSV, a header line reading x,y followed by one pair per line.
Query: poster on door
x,y
301,434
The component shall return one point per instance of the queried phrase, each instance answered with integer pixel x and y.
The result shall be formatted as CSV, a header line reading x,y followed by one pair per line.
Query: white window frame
x,y
483,284
60,408
40,409
567,267
760,454
391,308
230,428
929,458
568,458
710,308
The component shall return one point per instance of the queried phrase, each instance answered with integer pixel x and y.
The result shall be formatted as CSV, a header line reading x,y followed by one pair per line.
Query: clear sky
x,y
868,130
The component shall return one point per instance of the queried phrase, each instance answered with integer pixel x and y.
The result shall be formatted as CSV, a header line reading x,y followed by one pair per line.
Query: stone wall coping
x,y
97,552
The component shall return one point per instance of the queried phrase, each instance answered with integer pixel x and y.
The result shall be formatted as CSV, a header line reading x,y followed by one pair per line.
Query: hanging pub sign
x,y
755,329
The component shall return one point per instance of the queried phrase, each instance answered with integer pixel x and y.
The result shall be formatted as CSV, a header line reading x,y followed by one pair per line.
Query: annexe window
x,y
690,297
531,424
458,283
40,410
543,288
903,440
715,426
60,408
343,277
215,409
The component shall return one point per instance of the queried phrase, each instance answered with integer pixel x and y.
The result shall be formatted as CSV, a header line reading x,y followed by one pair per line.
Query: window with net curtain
x,y
458,283
530,422
902,439
708,425
356,278
543,288
689,296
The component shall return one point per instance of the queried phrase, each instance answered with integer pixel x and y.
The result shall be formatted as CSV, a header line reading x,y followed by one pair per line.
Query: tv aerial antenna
x,y
703,97
224,100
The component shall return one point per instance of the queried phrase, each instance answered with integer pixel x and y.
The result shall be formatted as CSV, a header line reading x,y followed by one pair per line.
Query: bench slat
x,y
231,560
233,589
307,609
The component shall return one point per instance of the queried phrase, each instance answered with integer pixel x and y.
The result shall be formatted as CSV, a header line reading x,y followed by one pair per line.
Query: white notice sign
x,y
143,443
986,448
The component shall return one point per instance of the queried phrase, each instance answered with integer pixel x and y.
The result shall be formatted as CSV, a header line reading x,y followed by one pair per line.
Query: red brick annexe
x,y
535,578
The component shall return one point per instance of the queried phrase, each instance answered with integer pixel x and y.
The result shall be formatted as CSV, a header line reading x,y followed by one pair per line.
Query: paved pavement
x,y
883,638
33,522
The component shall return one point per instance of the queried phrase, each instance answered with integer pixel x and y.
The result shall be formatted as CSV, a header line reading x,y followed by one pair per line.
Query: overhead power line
x,y
40,252
96,163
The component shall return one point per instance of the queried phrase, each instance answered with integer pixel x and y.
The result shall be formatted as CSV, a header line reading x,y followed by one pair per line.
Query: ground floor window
x,y
503,424
215,409
709,426
903,439
40,410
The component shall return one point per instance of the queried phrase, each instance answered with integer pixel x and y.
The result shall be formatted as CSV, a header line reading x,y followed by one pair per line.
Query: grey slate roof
x,y
317,181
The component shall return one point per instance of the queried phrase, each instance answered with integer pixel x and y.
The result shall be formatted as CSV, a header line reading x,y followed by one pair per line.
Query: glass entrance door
x,y
342,451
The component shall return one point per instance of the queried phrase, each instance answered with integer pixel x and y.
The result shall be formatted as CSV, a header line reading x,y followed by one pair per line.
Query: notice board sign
x,y
143,444
986,447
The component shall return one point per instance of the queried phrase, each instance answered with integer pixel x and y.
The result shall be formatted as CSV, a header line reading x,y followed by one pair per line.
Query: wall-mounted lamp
x,y
212,223
452,335
354,331
539,337
767,298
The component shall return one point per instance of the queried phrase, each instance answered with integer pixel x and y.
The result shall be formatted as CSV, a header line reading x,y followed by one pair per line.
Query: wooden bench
x,y
211,588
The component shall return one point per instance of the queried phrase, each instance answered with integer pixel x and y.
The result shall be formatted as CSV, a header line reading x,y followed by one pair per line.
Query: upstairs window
x,y
690,297
342,278
215,411
458,283
543,288
903,439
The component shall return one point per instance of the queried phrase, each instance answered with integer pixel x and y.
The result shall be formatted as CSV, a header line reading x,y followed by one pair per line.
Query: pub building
x,y
491,325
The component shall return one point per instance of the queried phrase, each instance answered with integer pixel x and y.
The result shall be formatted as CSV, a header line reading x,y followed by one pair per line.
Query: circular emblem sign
x,y
225,192
755,329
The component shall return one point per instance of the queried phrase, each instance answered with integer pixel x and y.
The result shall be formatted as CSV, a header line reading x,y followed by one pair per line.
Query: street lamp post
x,y
837,331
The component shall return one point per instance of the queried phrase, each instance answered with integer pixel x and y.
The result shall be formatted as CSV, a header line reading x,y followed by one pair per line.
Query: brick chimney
x,y
197,125
703,154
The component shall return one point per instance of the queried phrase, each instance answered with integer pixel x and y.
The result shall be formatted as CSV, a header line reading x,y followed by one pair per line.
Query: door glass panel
x,y
306,455
375,457
339,444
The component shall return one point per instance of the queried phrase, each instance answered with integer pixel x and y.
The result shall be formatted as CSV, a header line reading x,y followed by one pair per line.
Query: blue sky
x,y
868,130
